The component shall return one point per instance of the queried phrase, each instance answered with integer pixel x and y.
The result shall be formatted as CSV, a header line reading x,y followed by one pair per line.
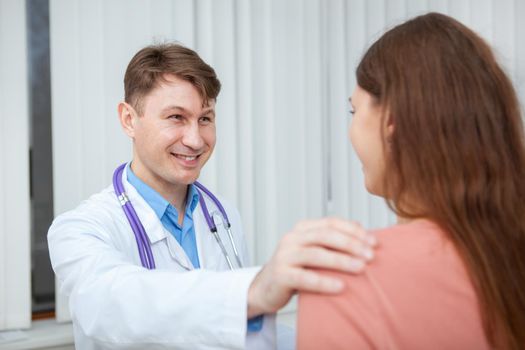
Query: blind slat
x,y
15,289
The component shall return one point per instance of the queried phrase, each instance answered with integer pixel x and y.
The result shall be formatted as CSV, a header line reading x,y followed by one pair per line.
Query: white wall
x,y
15,298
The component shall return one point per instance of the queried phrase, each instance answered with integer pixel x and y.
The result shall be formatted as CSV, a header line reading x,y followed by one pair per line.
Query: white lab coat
x,y
115,303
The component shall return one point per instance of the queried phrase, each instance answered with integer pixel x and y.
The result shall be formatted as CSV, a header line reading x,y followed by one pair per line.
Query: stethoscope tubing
x,y
145,253
213,226
211,223
144,248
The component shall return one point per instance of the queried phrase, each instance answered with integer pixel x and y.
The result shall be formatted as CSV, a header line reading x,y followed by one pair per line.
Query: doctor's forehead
x,y
177,94
206,109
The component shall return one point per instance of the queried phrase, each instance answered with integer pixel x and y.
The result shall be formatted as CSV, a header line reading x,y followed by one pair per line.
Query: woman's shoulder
x,y
419,232
416,287
419,240
417,260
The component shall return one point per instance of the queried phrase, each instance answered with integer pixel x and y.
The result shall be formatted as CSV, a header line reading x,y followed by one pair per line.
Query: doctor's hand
x,y
328,243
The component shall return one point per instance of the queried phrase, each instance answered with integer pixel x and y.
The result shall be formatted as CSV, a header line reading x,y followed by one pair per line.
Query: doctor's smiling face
x,y
173,136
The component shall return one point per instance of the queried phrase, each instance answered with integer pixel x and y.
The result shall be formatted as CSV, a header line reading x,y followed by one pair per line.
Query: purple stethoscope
x,y
143,244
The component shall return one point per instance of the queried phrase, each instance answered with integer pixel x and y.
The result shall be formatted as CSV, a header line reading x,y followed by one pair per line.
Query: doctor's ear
x,y
127,115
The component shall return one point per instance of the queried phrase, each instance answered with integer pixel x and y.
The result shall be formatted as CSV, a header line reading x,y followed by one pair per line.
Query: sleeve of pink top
x,y
351,324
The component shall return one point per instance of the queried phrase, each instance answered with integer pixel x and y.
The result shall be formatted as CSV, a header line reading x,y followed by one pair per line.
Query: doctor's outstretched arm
x,y
328,243
116,304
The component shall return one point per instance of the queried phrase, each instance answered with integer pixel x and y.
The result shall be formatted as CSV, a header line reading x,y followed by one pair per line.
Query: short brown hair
x,y
458,147
151,64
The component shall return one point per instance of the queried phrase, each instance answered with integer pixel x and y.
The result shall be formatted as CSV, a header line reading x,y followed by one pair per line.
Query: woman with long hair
x,y
438,129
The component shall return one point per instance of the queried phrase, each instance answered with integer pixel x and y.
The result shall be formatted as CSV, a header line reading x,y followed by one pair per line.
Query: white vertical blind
x,y
15,289
519,51
245,119
287,69
353,25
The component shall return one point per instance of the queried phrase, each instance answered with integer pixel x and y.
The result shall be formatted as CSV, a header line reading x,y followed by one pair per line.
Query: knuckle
x,y
313,256
294,279
341,260
308,279
354,223
312,236
302,238
286,239
330,221
357,229
355,246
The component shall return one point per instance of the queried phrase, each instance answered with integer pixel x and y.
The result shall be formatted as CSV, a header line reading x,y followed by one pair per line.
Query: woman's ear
x,y
389,127
389,132
126,115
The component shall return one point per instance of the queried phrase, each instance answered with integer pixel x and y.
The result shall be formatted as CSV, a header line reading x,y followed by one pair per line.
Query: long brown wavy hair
x,y
458,148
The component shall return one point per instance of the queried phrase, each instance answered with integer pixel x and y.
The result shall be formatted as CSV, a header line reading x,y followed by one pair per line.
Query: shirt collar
x,y
192,200
155,200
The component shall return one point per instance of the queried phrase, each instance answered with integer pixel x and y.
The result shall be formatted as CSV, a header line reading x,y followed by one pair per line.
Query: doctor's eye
x,y
351,112
205,119
176,117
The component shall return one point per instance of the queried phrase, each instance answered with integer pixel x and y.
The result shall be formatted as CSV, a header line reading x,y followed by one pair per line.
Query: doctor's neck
x,y
174,193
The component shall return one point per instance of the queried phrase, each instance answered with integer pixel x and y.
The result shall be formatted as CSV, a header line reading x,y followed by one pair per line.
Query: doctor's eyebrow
x,y
184,110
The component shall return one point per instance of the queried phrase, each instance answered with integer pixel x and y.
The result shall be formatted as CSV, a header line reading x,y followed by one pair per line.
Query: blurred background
x,y
287,70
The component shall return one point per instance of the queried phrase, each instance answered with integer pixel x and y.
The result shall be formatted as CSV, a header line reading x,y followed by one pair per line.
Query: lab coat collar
x,y
206,242
154,228
152,224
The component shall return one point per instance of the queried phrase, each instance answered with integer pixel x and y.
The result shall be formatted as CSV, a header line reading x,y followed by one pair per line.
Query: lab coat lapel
x,y
177,252
201,229
210,254
153,226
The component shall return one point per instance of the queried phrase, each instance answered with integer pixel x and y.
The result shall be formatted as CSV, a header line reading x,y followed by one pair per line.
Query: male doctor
x,y
192,299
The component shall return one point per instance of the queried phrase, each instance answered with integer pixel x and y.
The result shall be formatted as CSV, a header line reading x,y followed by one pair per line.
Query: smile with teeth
x,y
188,158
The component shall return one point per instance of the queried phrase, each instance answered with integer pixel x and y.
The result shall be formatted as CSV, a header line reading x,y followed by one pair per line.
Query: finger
x,y
307,224
352,228
311,281
327,259
336,240
348,227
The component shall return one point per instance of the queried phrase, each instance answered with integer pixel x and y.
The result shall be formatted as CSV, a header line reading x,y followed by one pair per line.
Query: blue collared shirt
x,y
169,216
184,234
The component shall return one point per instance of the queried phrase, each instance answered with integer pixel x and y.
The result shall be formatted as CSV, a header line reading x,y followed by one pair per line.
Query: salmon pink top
x,y
416,294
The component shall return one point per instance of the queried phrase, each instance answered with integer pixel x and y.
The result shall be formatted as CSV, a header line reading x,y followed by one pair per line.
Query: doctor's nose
x,y
192,137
